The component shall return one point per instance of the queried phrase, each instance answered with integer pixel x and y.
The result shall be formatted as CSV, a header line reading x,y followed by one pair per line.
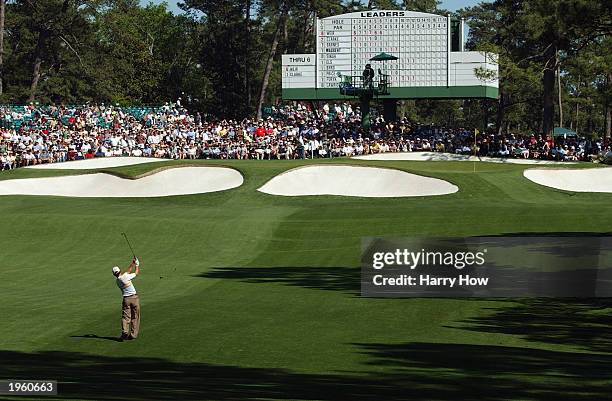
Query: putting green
x,y
253,296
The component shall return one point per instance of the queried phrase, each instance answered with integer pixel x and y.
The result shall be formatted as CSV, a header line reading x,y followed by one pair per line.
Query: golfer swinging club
x,y
130,318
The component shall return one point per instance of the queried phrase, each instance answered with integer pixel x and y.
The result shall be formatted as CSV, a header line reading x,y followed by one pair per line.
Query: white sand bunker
x,y
99,162
169,182
450,157
368,182
582,180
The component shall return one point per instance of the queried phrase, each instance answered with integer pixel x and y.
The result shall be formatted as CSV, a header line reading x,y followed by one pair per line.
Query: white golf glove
x,y
137,262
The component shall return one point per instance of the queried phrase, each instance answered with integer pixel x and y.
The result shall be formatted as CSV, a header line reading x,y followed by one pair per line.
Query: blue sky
x,y
447,4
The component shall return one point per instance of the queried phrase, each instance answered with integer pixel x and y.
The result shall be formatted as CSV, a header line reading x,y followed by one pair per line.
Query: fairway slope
x,y
169,182
582,180
450,157
101,162
370,182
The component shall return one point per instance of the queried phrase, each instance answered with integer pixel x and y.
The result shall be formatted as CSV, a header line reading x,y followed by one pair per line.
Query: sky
x,y
446,4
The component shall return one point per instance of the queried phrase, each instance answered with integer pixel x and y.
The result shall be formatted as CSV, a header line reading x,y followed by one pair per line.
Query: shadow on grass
x,y
96,337
421,371
484,372
578,234
345,279
584,323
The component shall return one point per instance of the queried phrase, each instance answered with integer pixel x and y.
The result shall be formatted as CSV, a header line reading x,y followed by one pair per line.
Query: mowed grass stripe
x,y
261,282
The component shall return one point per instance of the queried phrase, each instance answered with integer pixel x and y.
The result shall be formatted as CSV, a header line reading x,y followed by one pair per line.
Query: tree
x,y
281,27
424,6
55,23
587,87
227,59
534,39
554,31
518,84
149,53
47,36
382,5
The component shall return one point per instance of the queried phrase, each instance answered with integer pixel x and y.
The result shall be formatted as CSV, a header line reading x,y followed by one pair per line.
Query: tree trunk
x,y
266,78
577,109
499,122
608,133
300,43
575,128
35,79
608,122
247,52
2,7
42,38
310,35
485,110
285,34
548,97
559,85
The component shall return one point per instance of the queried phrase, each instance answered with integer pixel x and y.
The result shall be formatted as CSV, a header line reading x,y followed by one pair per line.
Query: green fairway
x,y
252,296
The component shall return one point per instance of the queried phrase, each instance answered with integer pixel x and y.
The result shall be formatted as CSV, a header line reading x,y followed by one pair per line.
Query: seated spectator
x,y
57,134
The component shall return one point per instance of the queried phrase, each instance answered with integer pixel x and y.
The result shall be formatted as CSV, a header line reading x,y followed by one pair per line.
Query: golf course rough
x,y
369,182
168,182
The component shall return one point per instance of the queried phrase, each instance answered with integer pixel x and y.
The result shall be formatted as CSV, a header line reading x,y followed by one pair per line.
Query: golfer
x,y
130,318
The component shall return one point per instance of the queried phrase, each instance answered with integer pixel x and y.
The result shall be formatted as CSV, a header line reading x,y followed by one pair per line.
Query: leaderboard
x,y
345,44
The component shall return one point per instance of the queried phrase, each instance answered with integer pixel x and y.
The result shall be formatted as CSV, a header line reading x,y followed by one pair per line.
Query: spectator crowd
x,y
32,135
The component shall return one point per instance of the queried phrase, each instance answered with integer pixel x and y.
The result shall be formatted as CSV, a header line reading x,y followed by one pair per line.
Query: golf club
x,y
130,245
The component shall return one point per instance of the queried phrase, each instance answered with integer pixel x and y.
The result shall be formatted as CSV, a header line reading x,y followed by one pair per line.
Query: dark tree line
x,y
223,56
555,62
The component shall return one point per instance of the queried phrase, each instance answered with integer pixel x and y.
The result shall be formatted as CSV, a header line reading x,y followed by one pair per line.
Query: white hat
x,y
116,269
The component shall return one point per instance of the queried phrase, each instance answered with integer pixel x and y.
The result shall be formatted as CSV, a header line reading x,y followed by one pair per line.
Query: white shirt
x,y
124,282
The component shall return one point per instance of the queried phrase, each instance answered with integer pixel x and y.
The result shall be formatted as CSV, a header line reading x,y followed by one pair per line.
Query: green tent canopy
x,y
383,57
564,132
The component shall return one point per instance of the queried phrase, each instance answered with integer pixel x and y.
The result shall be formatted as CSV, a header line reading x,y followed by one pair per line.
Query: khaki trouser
x,y
130,315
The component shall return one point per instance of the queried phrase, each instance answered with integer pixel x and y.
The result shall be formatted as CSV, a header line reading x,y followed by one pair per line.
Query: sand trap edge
x,y
526,171
455,187
124,176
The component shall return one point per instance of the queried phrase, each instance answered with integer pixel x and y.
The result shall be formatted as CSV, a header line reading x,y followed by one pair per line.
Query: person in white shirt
x,y
130,318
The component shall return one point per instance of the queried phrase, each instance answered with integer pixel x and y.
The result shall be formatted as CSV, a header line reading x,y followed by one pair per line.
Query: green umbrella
x,y
563,132
383,57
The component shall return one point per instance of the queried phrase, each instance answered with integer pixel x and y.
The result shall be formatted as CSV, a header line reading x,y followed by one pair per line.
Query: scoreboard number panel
x,y
346,43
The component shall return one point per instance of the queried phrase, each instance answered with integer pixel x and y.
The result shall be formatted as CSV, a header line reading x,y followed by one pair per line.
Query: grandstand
x,y
18,116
